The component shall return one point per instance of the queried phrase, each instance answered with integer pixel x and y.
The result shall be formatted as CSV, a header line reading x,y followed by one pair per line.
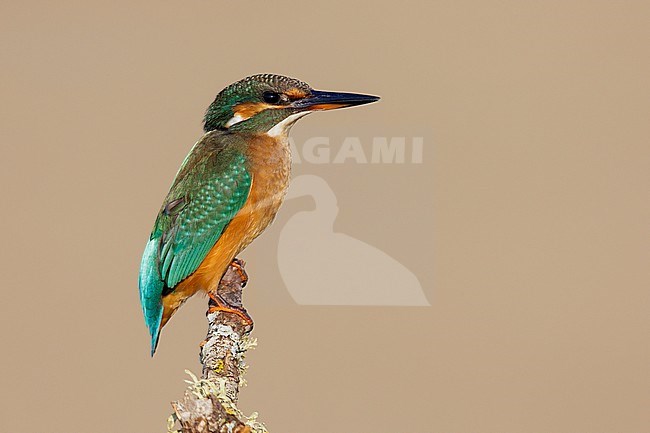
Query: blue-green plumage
x,y
151,288
246,134
210,188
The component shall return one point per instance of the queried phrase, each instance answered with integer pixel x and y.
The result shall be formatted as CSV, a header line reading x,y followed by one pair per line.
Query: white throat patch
x,y
235,119
283,127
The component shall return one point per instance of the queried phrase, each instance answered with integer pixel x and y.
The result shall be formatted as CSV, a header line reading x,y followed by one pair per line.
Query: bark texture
x,y
209,404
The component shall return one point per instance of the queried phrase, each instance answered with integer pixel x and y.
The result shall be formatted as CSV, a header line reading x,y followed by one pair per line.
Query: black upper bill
x,y
321,100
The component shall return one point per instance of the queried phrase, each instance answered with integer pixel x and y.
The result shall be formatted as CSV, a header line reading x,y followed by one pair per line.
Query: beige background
x,y
527,223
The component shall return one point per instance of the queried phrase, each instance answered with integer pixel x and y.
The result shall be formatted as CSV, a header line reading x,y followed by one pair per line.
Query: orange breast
x,y
270,165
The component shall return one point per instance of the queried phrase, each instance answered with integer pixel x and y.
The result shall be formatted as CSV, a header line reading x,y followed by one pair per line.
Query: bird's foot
x,y
217,303
239,264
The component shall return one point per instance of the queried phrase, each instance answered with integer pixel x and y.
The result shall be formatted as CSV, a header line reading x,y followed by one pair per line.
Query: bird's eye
x,y
271,97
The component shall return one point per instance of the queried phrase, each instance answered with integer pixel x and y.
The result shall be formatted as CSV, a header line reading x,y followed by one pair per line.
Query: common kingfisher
x,y
226,192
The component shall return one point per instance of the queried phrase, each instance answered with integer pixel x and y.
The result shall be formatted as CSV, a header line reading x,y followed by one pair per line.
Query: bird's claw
x,y
238,265
217,303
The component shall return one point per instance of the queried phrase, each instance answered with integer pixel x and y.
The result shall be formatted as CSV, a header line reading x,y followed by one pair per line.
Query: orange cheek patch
x,y
295,93
327,106
249,109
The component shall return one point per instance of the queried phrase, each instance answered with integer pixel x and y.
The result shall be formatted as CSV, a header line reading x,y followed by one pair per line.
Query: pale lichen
x,y
246,343
171,422
204,389
211,402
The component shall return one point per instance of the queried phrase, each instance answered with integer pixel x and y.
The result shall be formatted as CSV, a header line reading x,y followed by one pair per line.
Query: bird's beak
x,y
320,100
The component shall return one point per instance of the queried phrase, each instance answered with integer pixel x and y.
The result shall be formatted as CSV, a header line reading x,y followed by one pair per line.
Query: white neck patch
x,y
235,119
283,127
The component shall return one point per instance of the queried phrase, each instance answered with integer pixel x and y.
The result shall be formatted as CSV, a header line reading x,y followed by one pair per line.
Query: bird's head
x,y
272,103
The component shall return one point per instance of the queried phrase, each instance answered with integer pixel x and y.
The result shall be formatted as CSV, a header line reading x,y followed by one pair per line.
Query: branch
x,y
209,404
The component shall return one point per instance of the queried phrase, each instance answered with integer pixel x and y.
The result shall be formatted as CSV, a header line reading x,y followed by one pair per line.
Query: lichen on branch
x,y
210,403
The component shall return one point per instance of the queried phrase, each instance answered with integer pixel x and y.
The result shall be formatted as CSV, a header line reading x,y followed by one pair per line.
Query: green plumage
x,y
200,204
214,182
211,186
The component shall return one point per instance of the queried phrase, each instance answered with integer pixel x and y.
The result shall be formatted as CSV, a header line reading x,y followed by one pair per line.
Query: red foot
x,y
221,305
238,264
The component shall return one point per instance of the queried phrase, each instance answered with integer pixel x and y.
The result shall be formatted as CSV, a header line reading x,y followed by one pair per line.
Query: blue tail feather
x,y
155,333
151,288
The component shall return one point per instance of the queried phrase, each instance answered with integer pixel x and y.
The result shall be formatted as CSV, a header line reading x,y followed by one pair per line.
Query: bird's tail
x,y
155,336
151,288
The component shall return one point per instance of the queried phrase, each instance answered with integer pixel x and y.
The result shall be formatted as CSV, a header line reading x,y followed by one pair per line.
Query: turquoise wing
x,y
209,190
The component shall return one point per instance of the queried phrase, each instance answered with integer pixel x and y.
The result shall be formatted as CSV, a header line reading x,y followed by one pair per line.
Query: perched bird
x,y
226,192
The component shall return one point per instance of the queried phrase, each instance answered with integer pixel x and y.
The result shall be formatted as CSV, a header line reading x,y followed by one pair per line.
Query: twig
x,y
209,404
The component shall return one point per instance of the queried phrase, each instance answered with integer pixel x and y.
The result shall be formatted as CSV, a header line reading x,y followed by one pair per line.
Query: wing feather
x,y
210,188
